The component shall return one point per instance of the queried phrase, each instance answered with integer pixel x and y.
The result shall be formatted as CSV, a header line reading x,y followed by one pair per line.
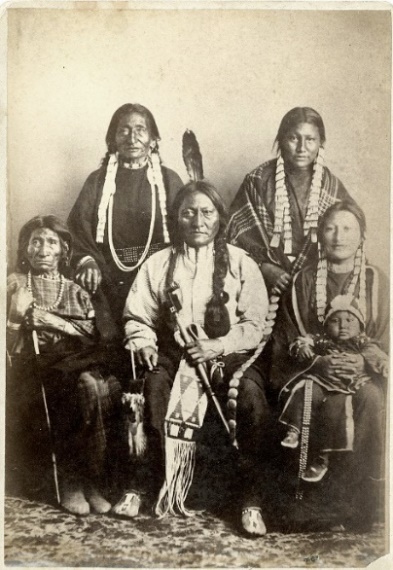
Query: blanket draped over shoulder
x,y
252,219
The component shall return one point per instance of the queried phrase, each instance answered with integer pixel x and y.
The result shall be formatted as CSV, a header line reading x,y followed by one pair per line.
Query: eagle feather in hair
x,y
192,156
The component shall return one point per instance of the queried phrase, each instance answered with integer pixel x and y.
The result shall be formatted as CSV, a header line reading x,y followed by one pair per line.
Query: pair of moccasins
x,y
252,521
315,472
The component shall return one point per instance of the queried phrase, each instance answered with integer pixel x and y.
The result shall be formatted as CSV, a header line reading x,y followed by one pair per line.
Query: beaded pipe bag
x,y
185,414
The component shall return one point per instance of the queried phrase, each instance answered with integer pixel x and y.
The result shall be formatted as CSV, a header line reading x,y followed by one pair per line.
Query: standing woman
x,y
120,216
82,396
274,216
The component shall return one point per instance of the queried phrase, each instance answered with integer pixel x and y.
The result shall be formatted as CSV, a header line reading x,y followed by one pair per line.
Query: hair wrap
x,y
154,174
359,274
282,216
108,190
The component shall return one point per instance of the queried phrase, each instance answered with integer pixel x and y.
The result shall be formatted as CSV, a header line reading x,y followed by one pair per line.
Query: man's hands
x,y
199,351
202,350
89,276
148,357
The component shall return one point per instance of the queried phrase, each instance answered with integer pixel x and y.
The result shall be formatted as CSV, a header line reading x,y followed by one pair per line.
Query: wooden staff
x,y
133,367
48,423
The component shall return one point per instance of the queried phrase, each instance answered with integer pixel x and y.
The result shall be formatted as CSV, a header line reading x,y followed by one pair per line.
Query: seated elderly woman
x,y
220,289
341,270
50,315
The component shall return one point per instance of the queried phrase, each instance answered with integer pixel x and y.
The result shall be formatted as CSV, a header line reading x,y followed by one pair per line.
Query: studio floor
x,y
39,534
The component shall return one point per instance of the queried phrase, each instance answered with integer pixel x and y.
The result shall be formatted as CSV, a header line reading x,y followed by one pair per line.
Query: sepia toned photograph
x,y
196,276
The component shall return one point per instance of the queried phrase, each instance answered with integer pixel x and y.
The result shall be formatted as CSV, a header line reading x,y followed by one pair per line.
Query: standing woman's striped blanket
x,y
251,224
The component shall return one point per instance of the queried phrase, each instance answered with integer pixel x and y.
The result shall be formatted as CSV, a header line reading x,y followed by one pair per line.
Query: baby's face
x,y
342,325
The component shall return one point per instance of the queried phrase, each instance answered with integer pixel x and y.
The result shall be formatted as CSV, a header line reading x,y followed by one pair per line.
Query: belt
x,y
133,254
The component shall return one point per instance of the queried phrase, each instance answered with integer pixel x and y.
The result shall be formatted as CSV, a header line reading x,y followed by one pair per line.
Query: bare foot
x,y
97,501
73,500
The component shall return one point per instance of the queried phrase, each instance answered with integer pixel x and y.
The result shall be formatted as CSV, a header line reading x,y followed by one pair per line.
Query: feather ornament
x,y
192,156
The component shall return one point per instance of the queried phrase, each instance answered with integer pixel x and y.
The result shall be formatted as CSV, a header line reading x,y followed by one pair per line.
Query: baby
x,y
331,401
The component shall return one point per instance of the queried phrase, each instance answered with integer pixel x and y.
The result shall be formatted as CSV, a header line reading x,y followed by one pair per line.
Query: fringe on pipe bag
x,y
185,415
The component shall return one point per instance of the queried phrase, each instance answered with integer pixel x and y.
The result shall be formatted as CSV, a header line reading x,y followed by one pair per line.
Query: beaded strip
x,y
305,435
312,215
52,307
108,190
361,258
320,284
158,181
282,217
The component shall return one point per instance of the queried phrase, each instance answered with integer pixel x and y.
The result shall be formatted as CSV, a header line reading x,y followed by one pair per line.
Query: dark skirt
x,y
76,414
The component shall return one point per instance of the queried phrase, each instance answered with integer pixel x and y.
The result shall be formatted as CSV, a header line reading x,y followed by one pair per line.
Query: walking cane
x,y
48,423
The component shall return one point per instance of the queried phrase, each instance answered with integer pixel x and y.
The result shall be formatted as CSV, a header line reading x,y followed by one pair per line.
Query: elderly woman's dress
x,y
83,397
147,324
132,209
252,216
347,492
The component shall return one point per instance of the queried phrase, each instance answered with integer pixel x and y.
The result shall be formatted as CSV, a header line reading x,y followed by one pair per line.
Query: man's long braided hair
x,y
217,321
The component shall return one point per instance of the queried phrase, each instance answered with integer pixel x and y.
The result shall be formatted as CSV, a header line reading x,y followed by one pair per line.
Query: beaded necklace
x,y
54,306
154,175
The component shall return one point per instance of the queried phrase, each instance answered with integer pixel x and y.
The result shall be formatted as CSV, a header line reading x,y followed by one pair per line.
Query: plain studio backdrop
x,y
227,74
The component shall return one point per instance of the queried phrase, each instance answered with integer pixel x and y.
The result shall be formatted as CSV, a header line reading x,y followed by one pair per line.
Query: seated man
x,y
221,290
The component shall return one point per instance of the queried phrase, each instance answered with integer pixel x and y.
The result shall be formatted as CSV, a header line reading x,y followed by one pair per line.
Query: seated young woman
x,y
348,492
